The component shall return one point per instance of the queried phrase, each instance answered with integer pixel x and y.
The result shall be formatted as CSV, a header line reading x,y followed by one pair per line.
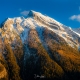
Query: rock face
x,y
38,47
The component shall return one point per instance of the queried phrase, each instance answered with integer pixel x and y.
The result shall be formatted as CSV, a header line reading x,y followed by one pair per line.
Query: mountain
x,y
38,47
77,30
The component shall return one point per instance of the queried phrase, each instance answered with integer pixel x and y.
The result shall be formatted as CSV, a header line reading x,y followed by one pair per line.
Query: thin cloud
x,y
75,17
24,13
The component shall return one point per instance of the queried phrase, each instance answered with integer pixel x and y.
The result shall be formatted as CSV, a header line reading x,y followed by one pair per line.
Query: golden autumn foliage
x,y
3,69
13,68
57,60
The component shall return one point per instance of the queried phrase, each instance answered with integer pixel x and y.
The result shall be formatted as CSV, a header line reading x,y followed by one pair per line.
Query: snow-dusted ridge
x,y
22,25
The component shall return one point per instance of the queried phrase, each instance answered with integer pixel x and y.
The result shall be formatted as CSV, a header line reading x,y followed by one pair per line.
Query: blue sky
x,y
65,11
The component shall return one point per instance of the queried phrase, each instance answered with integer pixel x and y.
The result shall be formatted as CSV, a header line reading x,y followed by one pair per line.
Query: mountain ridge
x,y
37,19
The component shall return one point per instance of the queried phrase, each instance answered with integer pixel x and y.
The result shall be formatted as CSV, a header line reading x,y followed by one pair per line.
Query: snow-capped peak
x,y
31,13
37,20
